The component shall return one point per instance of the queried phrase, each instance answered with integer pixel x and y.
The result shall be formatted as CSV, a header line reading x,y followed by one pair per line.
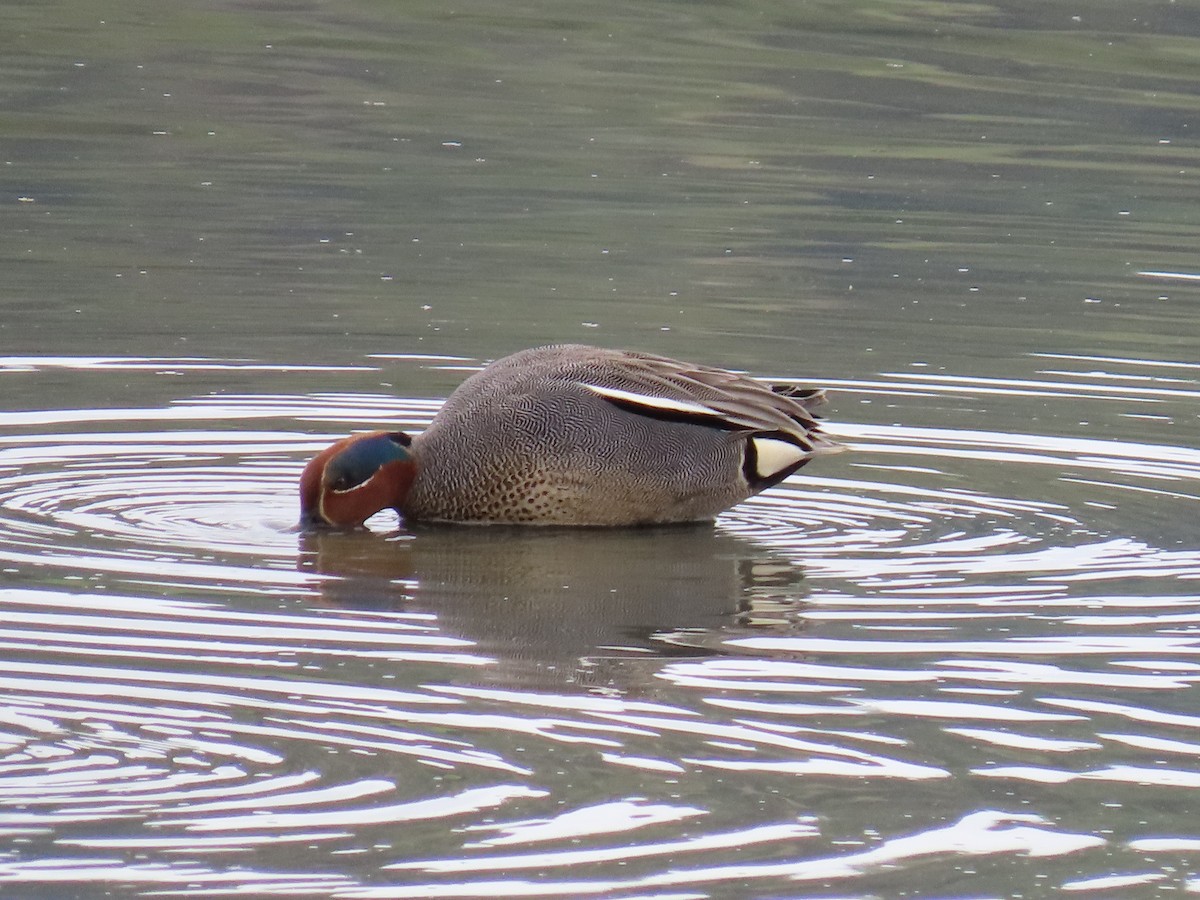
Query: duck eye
x,y
340,483
358,462
346,472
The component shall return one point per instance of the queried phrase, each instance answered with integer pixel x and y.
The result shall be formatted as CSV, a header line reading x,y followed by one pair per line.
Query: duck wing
x,y
777,425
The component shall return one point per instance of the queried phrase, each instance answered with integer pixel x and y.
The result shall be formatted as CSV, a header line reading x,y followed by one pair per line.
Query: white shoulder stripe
x,y
652,402
772,455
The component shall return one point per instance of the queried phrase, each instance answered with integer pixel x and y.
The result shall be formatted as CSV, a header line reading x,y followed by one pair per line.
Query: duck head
x,y
349,482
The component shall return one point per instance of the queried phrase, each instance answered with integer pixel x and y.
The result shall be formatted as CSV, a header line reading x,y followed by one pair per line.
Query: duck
x,y
575,435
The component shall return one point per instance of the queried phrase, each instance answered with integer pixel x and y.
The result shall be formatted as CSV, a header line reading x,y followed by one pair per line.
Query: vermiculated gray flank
x,y
580,435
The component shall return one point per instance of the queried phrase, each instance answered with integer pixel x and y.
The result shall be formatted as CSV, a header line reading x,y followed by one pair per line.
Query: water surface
x,y
957,661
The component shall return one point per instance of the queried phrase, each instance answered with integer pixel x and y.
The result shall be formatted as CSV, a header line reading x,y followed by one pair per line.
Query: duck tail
x,y
808,397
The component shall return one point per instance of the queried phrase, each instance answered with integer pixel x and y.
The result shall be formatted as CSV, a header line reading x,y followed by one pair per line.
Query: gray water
x,y
960,661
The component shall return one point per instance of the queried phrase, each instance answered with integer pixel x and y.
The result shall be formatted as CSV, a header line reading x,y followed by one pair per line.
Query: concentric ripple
x,y
195,699
887,534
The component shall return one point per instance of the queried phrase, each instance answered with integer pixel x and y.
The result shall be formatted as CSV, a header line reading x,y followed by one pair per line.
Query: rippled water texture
x,y
198,700
959,661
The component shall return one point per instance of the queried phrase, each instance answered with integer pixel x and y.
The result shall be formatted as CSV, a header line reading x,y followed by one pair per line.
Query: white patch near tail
x,y
652,402
772,456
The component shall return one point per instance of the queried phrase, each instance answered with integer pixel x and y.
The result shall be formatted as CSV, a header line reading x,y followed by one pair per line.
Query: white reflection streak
x,y
93,681
547,729
1008,672
643,762
1171,276
1137,713
102,778
764,686
1123,360
1073,645
718,672
564,701
138,414
27,722
1002,595
80,871
284,632
114,647
1150,468
1109,882
1135,775
233,751
944,709
423,357
1120,376
1166,845
202,363
194,843
551,859
346,622
222,789
602,818
1146,742
1085,447
902,388
880,767
1023,741
201,573
385,740
339,793
984,833
471,800
1139,393
327,407
1119,486
852,761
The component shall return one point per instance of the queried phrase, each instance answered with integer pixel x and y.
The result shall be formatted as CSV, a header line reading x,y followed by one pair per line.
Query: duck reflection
x,y
548,594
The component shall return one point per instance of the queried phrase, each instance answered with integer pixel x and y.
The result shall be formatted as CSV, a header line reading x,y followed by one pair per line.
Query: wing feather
x,y
665,388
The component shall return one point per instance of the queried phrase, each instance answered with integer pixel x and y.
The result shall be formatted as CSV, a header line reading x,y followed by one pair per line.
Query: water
x,y
957,661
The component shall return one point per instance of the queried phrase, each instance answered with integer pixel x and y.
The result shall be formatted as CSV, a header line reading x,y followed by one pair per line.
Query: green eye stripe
x,y
362,459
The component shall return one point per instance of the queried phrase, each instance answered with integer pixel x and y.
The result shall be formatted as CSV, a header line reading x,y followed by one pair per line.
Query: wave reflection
x,y
985,623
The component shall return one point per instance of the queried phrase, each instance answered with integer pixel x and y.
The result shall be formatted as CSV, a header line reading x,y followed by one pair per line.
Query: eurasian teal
x,y
575,435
